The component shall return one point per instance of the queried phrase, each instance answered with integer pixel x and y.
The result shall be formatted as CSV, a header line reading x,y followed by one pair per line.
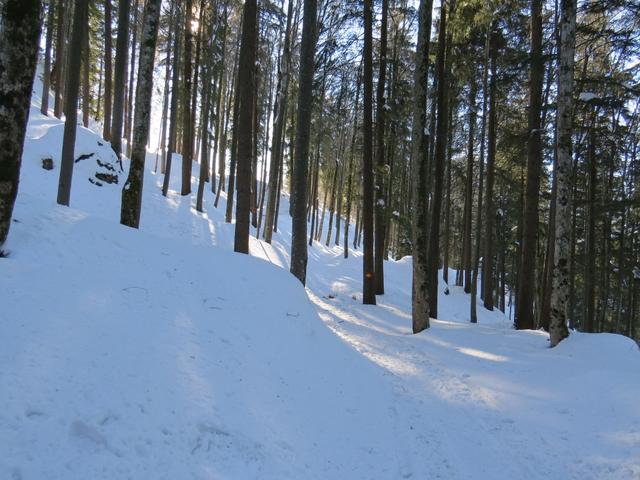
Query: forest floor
x,y
160,353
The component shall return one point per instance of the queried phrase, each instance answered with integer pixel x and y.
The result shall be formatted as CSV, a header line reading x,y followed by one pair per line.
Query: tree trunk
x,y
173,125
487,262
187,143
382,168
132,190
352,149
246,92
303,128
19,35
86,96
524,318
128,118
419,166
439,159
590,258
369,280
80,17
473,314
46,76
560,292
120,77
468,196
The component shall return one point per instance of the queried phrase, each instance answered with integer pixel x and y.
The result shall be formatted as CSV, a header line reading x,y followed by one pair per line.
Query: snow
x,y
587,96
159,353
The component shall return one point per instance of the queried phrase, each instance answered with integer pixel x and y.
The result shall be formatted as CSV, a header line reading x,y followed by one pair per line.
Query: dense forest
x,y
496,142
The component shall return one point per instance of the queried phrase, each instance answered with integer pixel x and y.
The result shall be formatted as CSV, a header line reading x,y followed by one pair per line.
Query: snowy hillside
x,y
159,353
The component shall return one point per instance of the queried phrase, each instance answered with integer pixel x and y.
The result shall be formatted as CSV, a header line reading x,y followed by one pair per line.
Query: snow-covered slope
x,y
159,353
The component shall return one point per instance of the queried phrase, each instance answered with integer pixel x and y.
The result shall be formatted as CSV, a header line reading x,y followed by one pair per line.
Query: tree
x,y
246,92
80,18
19,33
187,136
419,162
108,74
560,289
46,74
369,280
524,312
439,160
278,128
132,190
120,77
301,152
381,166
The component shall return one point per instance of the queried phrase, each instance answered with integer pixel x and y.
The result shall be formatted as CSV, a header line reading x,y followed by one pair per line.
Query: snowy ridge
x,y
161,354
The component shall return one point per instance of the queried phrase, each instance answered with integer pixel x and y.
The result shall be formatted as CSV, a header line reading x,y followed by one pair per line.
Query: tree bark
x,y
524,318
19,36
419,166
108,74
120,77
382,167
80,17
369,280
301,154
132,190
46,76
439,159
246,92
187,142
487,262
560,292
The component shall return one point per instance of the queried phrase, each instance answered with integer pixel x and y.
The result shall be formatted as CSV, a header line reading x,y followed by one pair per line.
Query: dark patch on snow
x,y
84,157
47,163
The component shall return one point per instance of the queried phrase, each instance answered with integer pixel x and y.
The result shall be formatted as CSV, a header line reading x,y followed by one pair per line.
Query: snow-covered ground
x,y
160,354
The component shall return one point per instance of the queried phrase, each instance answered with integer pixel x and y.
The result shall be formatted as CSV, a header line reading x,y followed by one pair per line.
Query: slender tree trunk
x,y
352,149
476,256
278,128
120,77
46,77
246,92
86,96
108,74
19,34
419,167
58,73
527,272
468,197
590,259
382,167
187,142
439,159
560,293
173,124
487,262
303,128
128,118
165,99
369,280
132,190
80,17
